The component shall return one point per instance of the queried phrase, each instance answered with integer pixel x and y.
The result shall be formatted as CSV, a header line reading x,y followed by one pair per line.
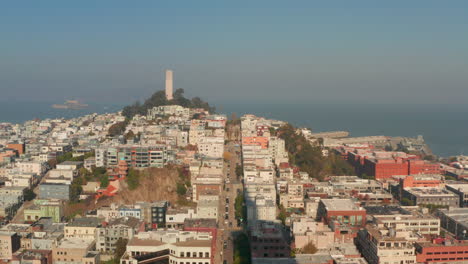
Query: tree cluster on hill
x,y
159,99
309,158
118,128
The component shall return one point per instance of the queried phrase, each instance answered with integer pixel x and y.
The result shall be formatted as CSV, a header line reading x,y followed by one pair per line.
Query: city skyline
x,y
399,52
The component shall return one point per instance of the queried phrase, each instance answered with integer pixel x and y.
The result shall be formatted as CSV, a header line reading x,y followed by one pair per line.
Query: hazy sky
x,y
296,51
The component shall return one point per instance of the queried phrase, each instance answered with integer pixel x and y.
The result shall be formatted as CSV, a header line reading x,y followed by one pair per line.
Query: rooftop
x,y
194,243
386,210
340,205
68,162
429,191
128,221
463,187
200,222
85,222
75,243
144,242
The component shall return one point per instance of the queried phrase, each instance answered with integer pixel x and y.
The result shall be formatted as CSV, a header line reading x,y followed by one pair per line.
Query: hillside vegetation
x,y
309,158
154,184
159,99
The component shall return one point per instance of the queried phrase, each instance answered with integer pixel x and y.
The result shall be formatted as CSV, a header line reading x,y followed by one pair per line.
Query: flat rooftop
x,y
85,222
75,243
458,214
200,222
463,187
430,192
340,205
194,243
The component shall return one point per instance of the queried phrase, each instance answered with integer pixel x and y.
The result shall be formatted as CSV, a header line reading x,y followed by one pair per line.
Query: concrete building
x,y
9,244
44,208
108,235
268,240
72,251
54,191
307,230
211,146
460,189
154,213
82,228
169,85
435,196
381,245
175,217
455,220
424,224
208,209
11,198
170,247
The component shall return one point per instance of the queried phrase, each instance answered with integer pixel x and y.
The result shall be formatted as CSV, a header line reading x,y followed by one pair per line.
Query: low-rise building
x,y
54,191
82,228
343,211
382,245
120,228
433,196
9,244
72,250
442,251
460,189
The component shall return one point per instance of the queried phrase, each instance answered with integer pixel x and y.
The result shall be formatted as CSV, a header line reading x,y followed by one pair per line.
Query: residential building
x,y
385,246
9,244
120,228
82,228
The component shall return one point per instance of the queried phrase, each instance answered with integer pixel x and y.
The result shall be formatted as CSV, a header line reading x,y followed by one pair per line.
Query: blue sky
x,y
256,51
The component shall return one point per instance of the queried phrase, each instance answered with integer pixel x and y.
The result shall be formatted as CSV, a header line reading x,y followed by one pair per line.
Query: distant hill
x,y
159,99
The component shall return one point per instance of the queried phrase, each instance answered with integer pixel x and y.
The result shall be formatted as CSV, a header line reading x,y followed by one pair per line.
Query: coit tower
x,y
169,85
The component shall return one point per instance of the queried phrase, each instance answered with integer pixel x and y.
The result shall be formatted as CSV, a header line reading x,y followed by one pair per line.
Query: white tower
x,y
169,85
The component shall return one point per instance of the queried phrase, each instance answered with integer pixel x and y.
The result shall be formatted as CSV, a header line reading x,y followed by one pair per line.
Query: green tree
x,y
239,171
120,248
133,179
29,195
282,215
239,206
75,192
242,254
117,128
181,189
129,135
104,180
159,99
309,157
407,202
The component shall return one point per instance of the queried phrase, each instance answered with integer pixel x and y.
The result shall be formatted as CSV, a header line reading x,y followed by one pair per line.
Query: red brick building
x,y
384,165
442,250
414,181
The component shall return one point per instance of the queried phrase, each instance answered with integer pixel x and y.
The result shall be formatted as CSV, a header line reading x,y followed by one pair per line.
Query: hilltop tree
x,y
159,99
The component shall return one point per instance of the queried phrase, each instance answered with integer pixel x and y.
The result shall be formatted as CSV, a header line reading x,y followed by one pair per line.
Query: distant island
x,y
70,104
